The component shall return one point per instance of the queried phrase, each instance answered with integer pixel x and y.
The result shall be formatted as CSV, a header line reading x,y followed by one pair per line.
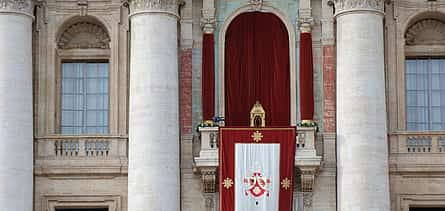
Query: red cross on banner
x,y
256,168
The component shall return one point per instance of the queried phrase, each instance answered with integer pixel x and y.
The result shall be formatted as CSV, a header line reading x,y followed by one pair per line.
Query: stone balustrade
x,y
86,154
306,160
418,150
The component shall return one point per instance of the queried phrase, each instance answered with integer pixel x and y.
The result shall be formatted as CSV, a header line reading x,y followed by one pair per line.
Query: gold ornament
x,y
285,183
257,136
227,183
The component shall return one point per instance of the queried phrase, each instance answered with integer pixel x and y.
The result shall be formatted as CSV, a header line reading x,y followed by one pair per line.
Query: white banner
x,y
257,177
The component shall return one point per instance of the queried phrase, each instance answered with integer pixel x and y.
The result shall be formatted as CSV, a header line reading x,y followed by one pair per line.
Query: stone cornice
x,y
154,6
17,6
343,6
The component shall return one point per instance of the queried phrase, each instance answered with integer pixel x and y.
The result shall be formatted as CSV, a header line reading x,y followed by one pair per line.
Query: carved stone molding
x,y
84,35
154,6
307,201
208,20
305,24
256,5
307,178
17,6
342,6
426,32
208,181
209,202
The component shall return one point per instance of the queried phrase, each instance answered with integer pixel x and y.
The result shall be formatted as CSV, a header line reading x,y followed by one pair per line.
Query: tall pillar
x,y
153,174
16,113
362,148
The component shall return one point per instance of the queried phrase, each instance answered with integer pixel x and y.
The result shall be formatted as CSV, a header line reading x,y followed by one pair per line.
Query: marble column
x,y
153,174
362,148
16,113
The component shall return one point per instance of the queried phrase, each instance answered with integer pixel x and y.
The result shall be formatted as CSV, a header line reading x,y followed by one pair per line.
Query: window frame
x,y
84,56
84,126
429,90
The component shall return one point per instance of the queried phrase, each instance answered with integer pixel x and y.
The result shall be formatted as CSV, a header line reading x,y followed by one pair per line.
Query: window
x,y
84,98
425,93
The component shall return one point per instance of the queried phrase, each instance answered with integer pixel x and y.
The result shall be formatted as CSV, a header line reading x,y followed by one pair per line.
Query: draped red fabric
x,y
306,77
208,77
257,67
228,137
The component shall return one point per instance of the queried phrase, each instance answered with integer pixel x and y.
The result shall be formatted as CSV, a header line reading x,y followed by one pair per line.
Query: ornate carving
x,y
209,181
84,35
166,6
22,6
307,200
208,20
257,115
305,24
307,178
426,32
256,5
348,5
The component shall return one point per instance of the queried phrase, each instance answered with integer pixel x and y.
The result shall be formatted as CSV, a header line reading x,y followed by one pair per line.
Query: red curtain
x,y
208,77
306,77
257,67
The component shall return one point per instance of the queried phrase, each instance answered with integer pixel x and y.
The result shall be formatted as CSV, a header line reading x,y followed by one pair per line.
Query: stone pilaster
x,y
362,153
16,111
153,174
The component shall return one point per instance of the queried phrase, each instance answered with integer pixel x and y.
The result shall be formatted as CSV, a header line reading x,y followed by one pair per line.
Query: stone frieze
x,y
346,5
168,6
23,6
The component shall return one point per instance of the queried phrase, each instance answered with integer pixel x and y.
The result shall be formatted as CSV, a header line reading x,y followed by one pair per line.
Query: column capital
x,y
344,6
169,7
24,7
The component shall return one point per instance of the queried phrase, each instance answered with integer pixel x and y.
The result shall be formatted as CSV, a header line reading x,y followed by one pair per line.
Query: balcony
x,y
417,151
80,155
306,160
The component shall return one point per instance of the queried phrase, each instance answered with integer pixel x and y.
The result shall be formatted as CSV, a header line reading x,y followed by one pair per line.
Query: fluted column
x,y
362,150
16,117
153,174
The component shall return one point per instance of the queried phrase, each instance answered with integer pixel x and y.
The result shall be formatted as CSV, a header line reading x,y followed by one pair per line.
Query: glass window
x,y
84,97
425,94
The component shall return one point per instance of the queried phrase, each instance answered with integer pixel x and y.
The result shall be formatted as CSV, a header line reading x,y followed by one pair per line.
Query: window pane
x,y
425,94
84,97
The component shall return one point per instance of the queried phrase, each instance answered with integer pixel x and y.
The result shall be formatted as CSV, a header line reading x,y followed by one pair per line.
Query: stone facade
x,y
150,157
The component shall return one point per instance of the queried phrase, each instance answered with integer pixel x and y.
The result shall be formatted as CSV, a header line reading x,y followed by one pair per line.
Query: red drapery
x,y
306,77
228,137
208,77
257,68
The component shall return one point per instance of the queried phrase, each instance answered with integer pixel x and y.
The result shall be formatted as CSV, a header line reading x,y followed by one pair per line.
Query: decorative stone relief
x,y
345,5
208,20
167,6
209,181
256,5
307,201
24,6
84,35
426,32
307,178
305,24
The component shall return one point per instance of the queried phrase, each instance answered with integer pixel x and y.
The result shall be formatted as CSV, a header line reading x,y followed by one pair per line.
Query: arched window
x,y
257,68
83,50
425,75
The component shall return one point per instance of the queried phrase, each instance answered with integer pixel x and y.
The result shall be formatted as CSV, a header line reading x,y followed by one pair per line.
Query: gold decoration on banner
x,y
257,136
227,183
285,183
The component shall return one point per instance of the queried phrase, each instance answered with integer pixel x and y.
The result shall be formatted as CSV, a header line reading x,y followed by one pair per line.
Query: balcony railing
x,y
100,154
422,151
306,159
417,142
